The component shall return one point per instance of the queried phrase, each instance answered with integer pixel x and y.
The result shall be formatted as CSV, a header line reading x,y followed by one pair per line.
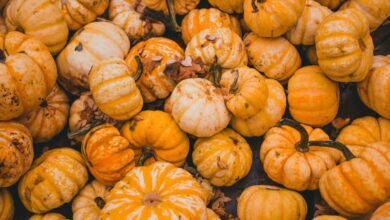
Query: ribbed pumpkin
x,y
277,58
266,118
7,207
155,134
332,4
53,180
358,186
345,53
90,45
307,25
201,19
272,18
160,191
211,215
90,201
16,152
374,90
229,6
381,213
49,118
41,19
312,97
270,203
48,216
224,158
155,55
198,107
27,75
329,217
108,155
180,7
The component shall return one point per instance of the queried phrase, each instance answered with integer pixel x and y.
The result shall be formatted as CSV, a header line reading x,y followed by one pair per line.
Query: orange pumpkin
x,y
48,216
329,217
3,3
211,215
311,55
7,207
331,4
229,6
381,213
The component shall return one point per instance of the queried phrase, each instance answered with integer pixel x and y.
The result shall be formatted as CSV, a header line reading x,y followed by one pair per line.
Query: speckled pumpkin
x,y
381,213
48,216
7,207
329,217
331,4
229,6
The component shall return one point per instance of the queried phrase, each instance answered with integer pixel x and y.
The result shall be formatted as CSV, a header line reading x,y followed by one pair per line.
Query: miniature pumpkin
x,y
49,118
345,54
269,203
201,19
53,180
229,6
41,19
305,30
374,90
155,55
156,134
266,118
90,45
108,155
180,7
277,58
211,215
90,201
332,4
329,217
358,186
312,97
199,108
7,207
272,18
16,154
224,158
48,216
160,190
311,55
27,75
381,213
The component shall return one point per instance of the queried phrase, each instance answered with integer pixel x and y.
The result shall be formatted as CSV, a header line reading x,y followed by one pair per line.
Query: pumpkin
x,y
344,53
311,55
224,158
124,14
198,107
200,19
156,134
277,58
180,7
155,55
49,118
305,30
90,201
269,203
229,6
272,18
358,186
266,118
53,180
16,154
374,90
383,212
90,45
3,3
3,29
107,154
160,191
27,75
48,216
329,217
7,207
245,91
312,97
211,215
41,19
331,4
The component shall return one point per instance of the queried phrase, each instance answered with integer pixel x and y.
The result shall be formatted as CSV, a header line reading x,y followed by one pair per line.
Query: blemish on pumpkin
x,y
100,203
362,45
235,141
79,47
38,180
246,105
277,154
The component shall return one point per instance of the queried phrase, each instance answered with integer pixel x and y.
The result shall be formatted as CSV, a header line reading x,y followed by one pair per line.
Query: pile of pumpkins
x,y
239,73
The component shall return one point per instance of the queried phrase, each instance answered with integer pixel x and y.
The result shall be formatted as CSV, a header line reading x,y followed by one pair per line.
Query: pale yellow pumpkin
x,y
48,216
331,4
381,213
7,207
229,6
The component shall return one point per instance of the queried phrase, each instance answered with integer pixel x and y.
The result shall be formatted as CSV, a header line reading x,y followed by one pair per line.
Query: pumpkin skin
x,y
114,90
53,180
211,215
312,97
332,4
277,58
229,6
344,53
358,186
50,118
272,18
107,154
157,131
90,45
155,55
383,212
16,153
161,190
266,118
48,216
311,55
329,217
90,201
7,207
269,203
27,75
180,7
201,19
224,158
199,108
305,30
40,19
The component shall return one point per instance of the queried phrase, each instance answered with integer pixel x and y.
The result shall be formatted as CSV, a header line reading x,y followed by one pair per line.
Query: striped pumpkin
x,y
229,6
7,207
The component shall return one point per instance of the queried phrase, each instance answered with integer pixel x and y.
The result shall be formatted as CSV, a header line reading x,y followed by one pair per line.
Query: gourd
x,y
211,215
7,207
329,217
53,180
383,212
229,6
331,4
48,216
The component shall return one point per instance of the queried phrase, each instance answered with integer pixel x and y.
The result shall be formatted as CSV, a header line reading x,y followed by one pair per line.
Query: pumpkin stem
x,y
3,56
44,103
151,199
147,153
234,85
85,129
302,145
100,202
216,73
254,6
140,68
336,145
172,15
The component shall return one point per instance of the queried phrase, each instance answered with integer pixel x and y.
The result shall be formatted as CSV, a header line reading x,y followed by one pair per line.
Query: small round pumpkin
x,y
331,4
180,7
211,215
381,213
48,216
7,207
53,180
229,6
270,203
277,58
329,217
